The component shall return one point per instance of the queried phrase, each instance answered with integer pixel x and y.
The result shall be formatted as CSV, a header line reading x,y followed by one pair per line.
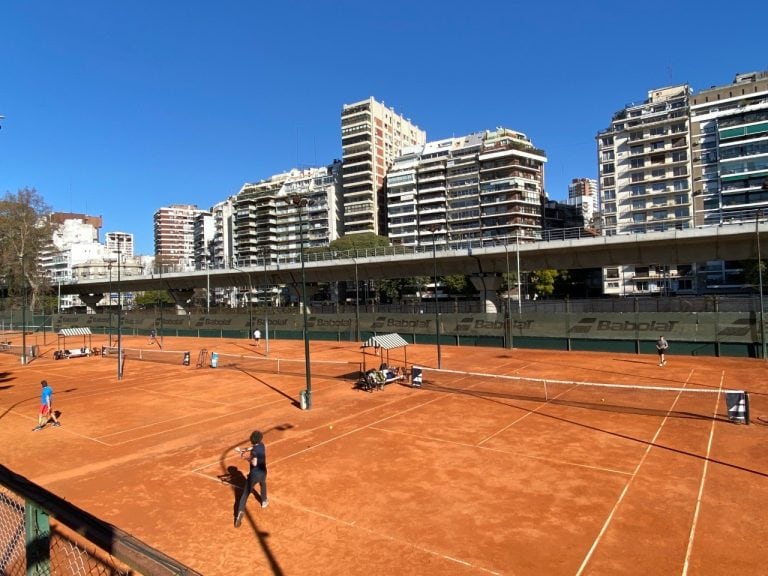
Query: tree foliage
x,y
359,242
25,233
542,282
153,298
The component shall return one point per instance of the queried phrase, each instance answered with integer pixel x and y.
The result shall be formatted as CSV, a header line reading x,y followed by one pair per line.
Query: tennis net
x,y
690,402
323,368
161,356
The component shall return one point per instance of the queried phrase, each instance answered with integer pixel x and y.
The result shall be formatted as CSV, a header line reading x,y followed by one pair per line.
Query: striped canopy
x,y
386,341
75,332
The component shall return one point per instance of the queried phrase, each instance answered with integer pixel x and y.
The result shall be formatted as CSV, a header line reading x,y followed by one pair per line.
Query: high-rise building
x,y
222,245
372,136
122,239
644,169
267,223
484,188
175,237
582,193
205,233
729,139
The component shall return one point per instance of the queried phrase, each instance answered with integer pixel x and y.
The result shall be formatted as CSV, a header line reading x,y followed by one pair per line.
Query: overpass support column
x,y
91,300
488,285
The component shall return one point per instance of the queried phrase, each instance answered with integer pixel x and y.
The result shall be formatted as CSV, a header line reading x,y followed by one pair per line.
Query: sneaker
x,y
265,504
36,428
661,364
238,519
57,423
664,363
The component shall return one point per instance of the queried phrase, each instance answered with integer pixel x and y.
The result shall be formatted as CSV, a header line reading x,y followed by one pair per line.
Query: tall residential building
x,y
484,188
729,133
644,169
267,223
122,239
582,193
222,245
205,231
175,237
372,136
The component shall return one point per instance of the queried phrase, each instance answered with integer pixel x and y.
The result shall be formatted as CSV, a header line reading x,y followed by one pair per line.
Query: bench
x,y
71,353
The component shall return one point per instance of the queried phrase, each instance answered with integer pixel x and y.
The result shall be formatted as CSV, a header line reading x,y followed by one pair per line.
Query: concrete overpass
x,y
723,242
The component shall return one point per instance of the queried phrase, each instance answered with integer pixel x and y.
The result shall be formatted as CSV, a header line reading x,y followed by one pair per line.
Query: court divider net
x,y
684,402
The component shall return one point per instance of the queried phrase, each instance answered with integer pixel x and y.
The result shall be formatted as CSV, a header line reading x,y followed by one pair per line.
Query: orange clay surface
x,y
431,481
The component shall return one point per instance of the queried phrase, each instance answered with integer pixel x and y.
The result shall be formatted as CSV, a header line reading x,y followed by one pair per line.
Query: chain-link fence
x,y
41,534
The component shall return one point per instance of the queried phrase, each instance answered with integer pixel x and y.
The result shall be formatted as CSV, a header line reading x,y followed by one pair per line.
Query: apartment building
x,y
174,228
269,225
729,136
644,169
583,194
122,241
372,136
484,188
204,235
222,244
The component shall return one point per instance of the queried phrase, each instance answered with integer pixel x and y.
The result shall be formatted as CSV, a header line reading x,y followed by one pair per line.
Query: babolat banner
x,y
733,327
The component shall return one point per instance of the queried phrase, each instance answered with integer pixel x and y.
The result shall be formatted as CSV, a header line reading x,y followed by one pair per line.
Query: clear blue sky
x,y
119,108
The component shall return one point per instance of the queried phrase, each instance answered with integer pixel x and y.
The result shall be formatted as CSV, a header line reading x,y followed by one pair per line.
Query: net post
x,y
546,392
37,539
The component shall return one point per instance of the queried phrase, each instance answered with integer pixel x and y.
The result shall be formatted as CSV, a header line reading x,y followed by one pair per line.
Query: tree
x,y
25,233
151,298
542,282
358,242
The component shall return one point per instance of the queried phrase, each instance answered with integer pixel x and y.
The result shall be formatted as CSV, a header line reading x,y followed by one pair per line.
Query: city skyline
x,y
117,111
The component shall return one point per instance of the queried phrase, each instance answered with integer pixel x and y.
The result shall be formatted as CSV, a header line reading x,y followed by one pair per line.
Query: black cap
x,y
256,437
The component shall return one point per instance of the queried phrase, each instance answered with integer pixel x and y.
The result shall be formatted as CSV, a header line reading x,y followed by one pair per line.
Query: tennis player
x,y
46,408
257,455
661,347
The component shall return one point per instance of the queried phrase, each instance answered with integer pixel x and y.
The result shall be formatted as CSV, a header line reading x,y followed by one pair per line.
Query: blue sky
x,y
119,108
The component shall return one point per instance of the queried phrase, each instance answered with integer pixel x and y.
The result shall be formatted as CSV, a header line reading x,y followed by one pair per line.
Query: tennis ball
x,y
330,427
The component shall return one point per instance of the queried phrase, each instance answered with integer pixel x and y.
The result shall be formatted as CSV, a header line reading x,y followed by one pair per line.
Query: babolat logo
x,y
379,323
740,327
464,325
585,325
323,323
212,322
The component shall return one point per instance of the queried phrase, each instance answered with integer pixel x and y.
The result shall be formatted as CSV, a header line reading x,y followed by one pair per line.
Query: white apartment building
x,y
222,245
205,233
644,168
269,226
372,137
583,194
174,228
484,188
119,241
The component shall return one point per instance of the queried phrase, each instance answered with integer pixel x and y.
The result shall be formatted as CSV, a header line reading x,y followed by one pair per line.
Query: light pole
x,y
109,268
434,230
23,312
300,202
519,293
250,307
507,309
266,305
119,316
760,280
357,303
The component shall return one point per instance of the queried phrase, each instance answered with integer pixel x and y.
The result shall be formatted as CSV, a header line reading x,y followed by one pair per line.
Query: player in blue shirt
x,y
46,408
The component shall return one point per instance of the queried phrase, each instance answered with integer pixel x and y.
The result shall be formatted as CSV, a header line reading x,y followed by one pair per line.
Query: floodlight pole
x,y
507,309
760,285
23,312
357,303
434,230
266,305
300,202
119,316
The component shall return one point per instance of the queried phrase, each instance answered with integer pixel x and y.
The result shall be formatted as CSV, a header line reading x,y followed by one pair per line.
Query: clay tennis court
x,y
462,477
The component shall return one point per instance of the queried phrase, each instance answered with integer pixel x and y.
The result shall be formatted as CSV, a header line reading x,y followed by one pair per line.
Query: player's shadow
x,y
237,481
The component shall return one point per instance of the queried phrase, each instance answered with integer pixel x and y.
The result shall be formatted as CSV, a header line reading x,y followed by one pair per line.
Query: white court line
x,y
700,495
381,535
625,490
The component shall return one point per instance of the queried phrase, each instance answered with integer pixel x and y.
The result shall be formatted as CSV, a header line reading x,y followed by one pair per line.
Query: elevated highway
x,y
723,242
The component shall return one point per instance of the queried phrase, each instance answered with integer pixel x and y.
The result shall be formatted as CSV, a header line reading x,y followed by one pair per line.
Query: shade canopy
x,y
387,341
